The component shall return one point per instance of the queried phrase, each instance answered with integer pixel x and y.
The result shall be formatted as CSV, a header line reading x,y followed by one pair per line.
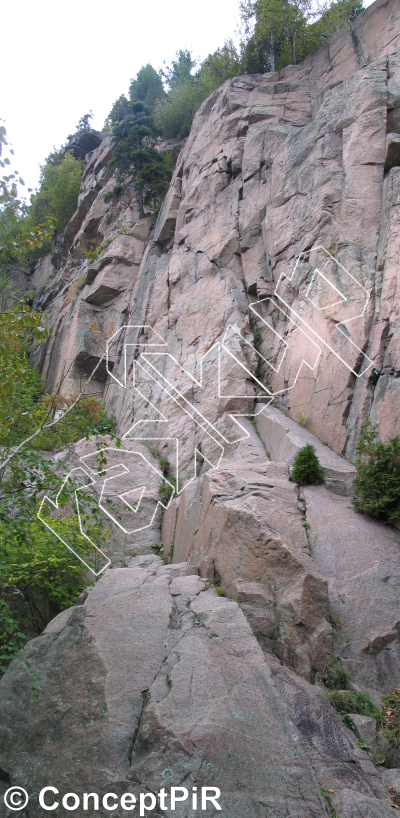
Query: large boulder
x,y
154,681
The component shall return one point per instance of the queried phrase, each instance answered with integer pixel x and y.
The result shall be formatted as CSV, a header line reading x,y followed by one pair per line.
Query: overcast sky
x,y
59,60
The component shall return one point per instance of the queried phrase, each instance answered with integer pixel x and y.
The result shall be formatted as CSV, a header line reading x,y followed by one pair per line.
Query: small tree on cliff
x,y
377,483
306,468
136,159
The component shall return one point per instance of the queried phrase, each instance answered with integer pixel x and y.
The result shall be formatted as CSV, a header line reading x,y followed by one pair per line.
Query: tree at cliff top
x,y
60,181
282,32
147,87
275,33
186,91
135,158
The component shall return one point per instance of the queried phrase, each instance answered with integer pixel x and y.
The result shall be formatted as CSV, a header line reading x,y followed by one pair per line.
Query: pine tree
x,y
136,159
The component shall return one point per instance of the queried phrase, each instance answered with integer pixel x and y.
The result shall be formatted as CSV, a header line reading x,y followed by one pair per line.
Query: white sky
x,y
59,60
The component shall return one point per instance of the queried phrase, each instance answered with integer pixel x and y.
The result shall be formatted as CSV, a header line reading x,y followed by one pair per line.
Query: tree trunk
x,y
271,55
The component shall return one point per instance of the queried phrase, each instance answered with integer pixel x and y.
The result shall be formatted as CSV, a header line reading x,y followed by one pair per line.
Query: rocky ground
x,y
156,680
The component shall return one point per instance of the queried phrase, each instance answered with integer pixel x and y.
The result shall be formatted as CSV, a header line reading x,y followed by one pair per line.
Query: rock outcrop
x,y
276,166
155,681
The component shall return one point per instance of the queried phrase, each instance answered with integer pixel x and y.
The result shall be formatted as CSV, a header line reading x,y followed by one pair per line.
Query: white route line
x,y
147,364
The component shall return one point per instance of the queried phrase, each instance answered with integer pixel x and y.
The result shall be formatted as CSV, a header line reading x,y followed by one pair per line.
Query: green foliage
x,y
60,181
179,72
351,701
221,591
187,91
157,548
26,230
118,110
334,676
307,469
174,118
93,255
327,795
23,403
84,122
282,32
165,491
281,35
164,466
38,576
20,235
113,194
336,15
377,482
391,717
147,87
135,158
218,67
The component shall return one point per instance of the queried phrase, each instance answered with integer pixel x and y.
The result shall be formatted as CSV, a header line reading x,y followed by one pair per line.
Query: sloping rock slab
x,y
361,560
283,438
152,682
155,681
247,518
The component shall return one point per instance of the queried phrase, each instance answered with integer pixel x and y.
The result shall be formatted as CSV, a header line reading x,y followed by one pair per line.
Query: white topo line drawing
x,y
331,287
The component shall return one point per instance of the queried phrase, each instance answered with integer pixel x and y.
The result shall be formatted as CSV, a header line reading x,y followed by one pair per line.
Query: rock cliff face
x,y
275,167
269,277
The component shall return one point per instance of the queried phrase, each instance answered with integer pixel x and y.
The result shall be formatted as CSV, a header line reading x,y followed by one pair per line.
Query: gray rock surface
x,y
156,680
360,560
275,163
283,438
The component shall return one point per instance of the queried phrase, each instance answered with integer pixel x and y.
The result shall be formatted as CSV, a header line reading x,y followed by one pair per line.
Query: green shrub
x,y
39,576
113,194
60,182
135,158
334,676
165,491
93,255
147,87
391,717
164,466
307,469
377,482
351,701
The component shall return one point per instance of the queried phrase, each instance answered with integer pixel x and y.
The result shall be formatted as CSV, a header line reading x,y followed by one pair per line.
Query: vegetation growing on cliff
x,y
283,32
377,482
26,229
20,235
275,33
136,159
38,576
306,468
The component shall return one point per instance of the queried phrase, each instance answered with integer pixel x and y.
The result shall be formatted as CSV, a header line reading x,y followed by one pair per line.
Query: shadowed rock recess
x,y
259,311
